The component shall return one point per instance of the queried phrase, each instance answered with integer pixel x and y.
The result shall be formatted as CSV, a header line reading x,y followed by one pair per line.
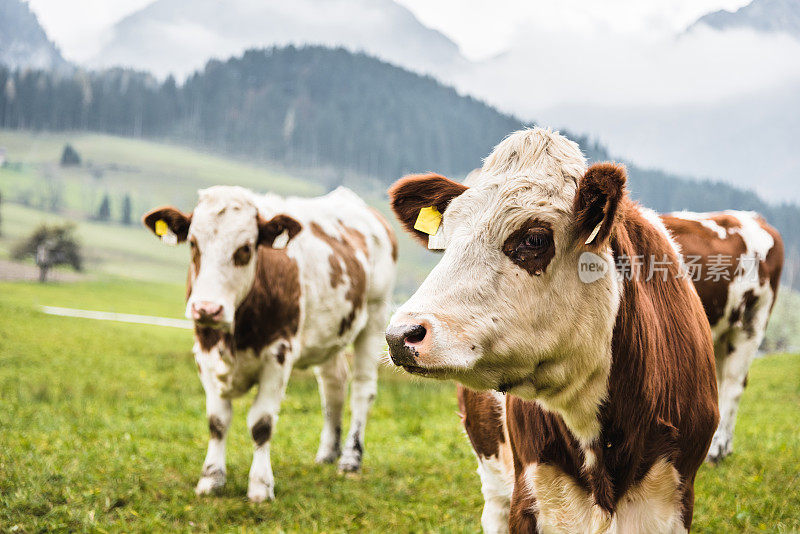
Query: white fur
x,y
652,505
225,219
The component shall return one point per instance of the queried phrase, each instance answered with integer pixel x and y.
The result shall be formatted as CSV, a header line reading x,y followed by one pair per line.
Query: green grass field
x,y
102,429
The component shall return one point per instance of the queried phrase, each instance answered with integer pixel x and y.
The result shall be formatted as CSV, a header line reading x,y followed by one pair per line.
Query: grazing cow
x,y
612,395
737,260
279,283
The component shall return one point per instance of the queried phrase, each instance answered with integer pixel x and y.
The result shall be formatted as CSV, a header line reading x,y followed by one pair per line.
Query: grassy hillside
x,y
150,172
106,432
153,174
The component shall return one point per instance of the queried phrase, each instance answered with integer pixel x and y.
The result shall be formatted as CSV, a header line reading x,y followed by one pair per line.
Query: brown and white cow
x,y
735,259
276,283
612,395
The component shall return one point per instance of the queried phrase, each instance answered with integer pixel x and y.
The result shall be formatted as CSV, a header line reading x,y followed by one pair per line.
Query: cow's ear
x,y
170,218
282,226
412,193
595,206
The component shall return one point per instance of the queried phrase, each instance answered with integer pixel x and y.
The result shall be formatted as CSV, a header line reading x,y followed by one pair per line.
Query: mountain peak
x,y
767,16
164,37
23,42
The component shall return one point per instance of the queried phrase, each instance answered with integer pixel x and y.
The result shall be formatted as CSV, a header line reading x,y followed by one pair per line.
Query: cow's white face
x,y
224,232
505,308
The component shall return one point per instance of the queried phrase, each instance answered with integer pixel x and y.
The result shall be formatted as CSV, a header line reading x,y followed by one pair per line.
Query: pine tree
x,y
126,217
104,211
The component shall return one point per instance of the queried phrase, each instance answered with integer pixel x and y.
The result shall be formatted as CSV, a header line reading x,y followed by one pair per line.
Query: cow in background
x,y
735,259
276,283
612,394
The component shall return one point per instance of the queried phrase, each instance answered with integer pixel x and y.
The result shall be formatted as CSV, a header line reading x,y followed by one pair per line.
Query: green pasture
x,y
102,429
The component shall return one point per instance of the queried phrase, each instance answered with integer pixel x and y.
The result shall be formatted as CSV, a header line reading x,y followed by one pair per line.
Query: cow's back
x,y
346,256
719,248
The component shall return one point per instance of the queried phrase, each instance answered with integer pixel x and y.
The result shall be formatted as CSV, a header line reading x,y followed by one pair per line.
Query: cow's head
x,y
505,308
224,232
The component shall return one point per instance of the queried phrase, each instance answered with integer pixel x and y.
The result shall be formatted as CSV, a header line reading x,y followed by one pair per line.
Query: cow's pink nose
x,y
404,342
206,311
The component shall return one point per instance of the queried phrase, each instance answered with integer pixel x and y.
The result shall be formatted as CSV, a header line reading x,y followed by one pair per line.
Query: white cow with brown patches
x,y
276,283
746,255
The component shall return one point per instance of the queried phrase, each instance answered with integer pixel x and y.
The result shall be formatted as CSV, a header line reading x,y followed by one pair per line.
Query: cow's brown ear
x,y
410,194
269,230
177,221
596,202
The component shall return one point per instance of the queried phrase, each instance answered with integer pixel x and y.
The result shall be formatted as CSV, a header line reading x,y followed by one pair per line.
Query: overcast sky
x,y
481,28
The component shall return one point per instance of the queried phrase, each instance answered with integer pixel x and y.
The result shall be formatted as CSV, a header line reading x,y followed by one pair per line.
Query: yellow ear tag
x,y
161,227
428,220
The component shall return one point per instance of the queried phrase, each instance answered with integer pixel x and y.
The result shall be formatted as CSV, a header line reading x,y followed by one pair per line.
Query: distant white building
x,y
2,155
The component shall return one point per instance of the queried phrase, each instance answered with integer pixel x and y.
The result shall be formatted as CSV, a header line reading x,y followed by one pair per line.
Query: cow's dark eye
x,y
531,246
242,255
537,241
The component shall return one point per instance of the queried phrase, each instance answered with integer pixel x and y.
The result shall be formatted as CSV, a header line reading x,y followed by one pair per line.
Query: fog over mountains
x,y
167,38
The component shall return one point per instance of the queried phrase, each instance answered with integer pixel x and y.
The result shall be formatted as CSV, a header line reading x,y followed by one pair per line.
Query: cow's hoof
x,y
259,492
209,483
717,452
327,457
349,464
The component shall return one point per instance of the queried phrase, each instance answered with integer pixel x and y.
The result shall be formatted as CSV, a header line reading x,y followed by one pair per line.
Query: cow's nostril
x,y
416,334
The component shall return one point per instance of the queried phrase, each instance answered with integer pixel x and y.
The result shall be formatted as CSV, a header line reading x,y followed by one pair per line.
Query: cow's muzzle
x,y
404,343
207,313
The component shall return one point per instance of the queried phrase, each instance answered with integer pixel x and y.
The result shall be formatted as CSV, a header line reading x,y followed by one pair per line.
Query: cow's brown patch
x,y
389,231
662,391
412,193
531,246
196,257
343,253
215,427
280,356
770,268
726,221
207,337
262,430
702,242
271,310
482,416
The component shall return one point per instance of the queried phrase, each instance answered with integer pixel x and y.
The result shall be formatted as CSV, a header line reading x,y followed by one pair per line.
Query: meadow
x,y
103,430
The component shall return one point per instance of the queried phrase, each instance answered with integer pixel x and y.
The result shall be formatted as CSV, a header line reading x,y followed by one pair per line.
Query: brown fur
x,y
176,220
697,240
772,266
481,414
344,254
597,199
412,193
271,310
661,390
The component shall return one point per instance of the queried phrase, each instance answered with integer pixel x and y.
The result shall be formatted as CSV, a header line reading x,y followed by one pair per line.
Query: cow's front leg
x,y
218,413
364,387
261,420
